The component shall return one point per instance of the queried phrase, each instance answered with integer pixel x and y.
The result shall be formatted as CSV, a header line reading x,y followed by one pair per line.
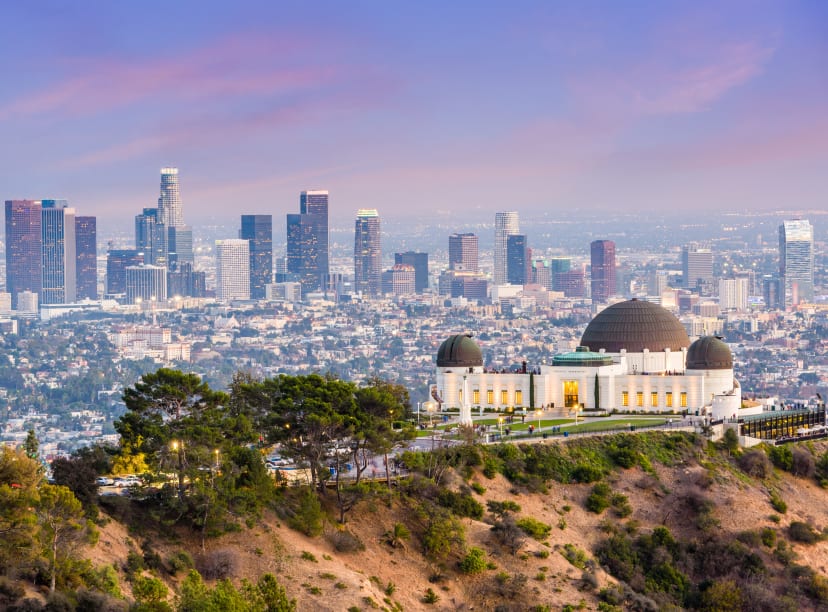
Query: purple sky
x,y
418,106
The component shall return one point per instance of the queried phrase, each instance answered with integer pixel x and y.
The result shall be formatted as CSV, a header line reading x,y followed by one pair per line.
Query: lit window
x,y
625,398
518,398
460,394
684,399
476,396
639,399
504,397
490,397
669,399
654,398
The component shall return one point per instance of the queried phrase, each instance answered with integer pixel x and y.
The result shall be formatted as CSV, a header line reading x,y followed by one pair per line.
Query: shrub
x,y
755,463
345,541
461,504
803,532
575,556
501,508
621,505
180,561
599,499
803,463
781,457
442,533
430,596
309,556
777,503
586,473
534,528
149,590
308,516
218,564
508,534
474,562
397,535
134,563
478,488
768,537
491,467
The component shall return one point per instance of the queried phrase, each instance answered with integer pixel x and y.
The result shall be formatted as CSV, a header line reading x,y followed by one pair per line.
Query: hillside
x,y
735,550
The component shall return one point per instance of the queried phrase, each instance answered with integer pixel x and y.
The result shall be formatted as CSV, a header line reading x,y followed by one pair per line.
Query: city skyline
x,y
700,106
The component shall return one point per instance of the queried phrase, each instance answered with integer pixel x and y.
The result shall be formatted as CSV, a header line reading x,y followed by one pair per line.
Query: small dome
x,y
459,351
635,325
582,357
709,353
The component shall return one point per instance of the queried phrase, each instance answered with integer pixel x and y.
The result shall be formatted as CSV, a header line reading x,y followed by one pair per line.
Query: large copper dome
x,y
635,326
709,353
459,351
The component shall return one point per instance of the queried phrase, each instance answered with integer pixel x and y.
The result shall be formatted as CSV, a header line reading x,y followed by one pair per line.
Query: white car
x,y
103,481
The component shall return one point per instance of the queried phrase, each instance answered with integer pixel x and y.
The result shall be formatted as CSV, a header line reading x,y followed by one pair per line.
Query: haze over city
x,y
430,109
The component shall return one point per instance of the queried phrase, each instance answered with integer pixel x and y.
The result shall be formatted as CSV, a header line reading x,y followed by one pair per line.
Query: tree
x,y
20,477
62,527
31,444
79,473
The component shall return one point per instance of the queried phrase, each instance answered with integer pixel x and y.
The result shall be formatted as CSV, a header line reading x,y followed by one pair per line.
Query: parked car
x,y
103,481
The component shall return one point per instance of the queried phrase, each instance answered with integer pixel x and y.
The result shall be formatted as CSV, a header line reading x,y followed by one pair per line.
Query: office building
x,y
151,237
733,294
516,260
463,252
146,284
506,224
58,257
697,268
170,210
419,261
399,280
258,230
232,270
117,261
86,284
772,293
307,240
185,282
570,282
24,269
602,263
367,253
179,246
542,274
796,261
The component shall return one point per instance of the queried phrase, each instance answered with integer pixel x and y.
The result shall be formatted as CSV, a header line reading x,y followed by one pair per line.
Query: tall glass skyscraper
x,y
258,230
516,259
307,240
796,261
117,261
58,255
170,211
86,237
24,271
367,253
506,224
602,263
151,237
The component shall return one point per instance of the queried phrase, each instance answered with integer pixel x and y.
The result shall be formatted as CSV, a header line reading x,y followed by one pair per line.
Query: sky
x,y
417,108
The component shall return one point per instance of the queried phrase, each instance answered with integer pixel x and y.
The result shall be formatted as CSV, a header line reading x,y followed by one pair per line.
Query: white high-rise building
x,y
506,224
796,261
232,270
733,294
146,284
170,211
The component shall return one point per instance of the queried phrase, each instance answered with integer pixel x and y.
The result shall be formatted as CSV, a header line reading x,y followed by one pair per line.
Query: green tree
x,y
31,444
62,527
20,477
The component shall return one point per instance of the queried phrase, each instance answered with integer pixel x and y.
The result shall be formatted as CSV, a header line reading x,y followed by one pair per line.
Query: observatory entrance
x,y
571,394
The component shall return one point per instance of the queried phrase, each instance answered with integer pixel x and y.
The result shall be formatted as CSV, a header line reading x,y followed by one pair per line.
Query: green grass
x,y
604,425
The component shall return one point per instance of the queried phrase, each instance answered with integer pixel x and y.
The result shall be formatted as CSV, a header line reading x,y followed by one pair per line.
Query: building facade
x,y
516,259
602,264
258,230
58,257
24,271
307,240
697,268
86,251
506,224
232,270
367,253
796,261
463,252
419,261
399,280
146,284
170,208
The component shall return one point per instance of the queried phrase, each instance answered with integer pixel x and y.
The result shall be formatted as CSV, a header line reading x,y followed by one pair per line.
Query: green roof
x,y
582,357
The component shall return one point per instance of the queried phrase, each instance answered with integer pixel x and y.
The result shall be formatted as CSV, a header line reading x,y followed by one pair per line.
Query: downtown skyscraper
x,y
796,261
58,252
516,259
307,241
170,209
24,269
232,270
602,263
86,238
160,233
367,253
506,224
463,252
258,230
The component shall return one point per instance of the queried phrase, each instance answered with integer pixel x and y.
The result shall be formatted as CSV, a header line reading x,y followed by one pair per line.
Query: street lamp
x,y
500,424
538,414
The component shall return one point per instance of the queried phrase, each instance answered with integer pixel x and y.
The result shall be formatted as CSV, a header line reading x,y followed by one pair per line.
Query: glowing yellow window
x,y
684,399
504,397
490,397
669,399
639,399
460,394
654,398
476,399
518,398
625,398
